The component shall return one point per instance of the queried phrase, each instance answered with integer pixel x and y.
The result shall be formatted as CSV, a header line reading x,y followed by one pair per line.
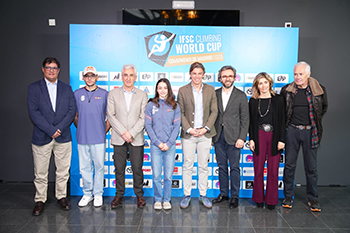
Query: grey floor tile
x,y
335,220
273,230
302,220
119,229
40,229
79,229
124,216
268,220
308,230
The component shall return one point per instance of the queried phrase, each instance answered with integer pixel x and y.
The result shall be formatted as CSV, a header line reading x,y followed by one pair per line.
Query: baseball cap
x,y
90,69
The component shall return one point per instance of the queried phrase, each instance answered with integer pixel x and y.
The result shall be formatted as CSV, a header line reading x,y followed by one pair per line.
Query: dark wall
x,y
26,39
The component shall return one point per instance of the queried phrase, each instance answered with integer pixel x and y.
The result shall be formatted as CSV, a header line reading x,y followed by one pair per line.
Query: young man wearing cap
x,y
92,127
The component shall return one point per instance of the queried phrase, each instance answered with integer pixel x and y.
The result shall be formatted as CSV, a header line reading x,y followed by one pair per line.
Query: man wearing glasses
x,y
92,127
52,108
232,127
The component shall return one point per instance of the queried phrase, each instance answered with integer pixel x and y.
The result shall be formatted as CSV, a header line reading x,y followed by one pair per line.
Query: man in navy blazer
x,y
52,108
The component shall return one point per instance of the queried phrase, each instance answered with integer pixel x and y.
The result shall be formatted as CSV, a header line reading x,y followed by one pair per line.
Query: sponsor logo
x,y
248,91
246,146
248,184
280,171
194,184
111,87
247,158
147,170
147,143
239,78
282,158
248,171
158,46
278,90
146,157
178,144
106,156
215,171
112,183
177,171
81,182
129,183
176,77
147,89
178,157
102,76
280,185
148,183
281,78
146,76
216,184
105,183
176,184
105,170
112,170
115,76
249,78
208,77
128,170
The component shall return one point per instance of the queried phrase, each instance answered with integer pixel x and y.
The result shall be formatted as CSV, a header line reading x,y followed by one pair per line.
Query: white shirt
x,y
128,97
52,89
225,97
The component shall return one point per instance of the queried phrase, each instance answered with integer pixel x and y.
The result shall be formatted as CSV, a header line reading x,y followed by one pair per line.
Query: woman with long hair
x,y
266,138
162,122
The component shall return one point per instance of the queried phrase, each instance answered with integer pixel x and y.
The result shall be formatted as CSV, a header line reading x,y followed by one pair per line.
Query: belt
x,y
266,127
301,127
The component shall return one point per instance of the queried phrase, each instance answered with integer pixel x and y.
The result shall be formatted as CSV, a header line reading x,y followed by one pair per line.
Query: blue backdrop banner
x,y
168,51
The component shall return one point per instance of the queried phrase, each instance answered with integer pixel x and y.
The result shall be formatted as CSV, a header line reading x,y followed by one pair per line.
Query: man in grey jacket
x,y
232,127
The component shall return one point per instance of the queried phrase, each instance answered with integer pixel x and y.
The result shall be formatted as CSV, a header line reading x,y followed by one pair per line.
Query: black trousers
x,y
294,139
136,159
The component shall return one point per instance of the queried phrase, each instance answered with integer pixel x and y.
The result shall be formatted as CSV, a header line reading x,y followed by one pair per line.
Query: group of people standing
x,y
207,117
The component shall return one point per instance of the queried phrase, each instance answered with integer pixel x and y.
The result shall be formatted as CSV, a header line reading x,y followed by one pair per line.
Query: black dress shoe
x,y
117,201
271,207
219,199
38,208
260,205
233,203
63,202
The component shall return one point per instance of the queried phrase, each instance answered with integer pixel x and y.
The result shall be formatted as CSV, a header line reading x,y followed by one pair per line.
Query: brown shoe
x,y
63,202
117,201
141,202
38,208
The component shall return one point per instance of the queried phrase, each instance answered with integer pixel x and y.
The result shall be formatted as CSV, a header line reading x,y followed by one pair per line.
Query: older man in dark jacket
x,y
306,103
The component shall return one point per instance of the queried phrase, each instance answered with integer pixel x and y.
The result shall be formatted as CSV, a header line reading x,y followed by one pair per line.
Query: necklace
x,y
268,108
87,94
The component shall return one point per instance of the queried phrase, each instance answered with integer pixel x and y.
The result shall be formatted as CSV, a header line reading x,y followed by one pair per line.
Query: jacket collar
x,y
315,86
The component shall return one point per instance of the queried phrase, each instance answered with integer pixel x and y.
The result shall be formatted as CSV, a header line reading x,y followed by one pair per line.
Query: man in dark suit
x,y
232,127
52,108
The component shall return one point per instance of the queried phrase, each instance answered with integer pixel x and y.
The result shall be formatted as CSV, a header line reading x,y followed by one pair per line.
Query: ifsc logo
x,y
158,46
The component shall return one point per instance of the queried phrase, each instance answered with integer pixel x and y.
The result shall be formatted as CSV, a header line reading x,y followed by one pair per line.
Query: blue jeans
x,y
90,156
231,153
161,158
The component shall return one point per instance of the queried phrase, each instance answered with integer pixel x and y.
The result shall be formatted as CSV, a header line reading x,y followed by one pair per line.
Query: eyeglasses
x,y
51,68
227,77
90,76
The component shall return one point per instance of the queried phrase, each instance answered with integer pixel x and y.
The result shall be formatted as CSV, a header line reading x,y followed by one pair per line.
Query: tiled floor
x,y
16,204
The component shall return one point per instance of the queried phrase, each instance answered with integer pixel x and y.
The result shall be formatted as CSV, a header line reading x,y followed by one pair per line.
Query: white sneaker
x,y
157,205
167,205
85,200
98,201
